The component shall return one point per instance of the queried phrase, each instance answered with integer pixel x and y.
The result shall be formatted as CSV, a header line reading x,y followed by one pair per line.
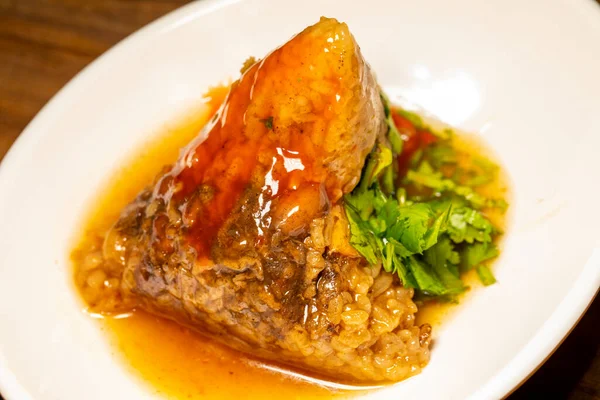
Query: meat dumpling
x,y
245,237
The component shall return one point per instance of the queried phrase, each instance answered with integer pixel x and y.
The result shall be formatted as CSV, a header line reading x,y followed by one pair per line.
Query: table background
x,y
44,43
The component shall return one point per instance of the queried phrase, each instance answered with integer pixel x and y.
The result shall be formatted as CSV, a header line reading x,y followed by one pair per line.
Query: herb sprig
x,y
429,240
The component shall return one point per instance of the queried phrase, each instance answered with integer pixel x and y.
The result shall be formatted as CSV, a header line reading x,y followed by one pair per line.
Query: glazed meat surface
x,y
245,237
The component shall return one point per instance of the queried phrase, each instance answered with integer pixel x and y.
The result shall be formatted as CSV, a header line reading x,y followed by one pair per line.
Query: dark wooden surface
x,y
44,43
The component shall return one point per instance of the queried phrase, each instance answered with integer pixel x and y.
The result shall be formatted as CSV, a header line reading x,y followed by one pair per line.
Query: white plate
x,y
526,75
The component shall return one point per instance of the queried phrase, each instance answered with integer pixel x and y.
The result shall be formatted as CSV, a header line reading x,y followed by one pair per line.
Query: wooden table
x,y
44,43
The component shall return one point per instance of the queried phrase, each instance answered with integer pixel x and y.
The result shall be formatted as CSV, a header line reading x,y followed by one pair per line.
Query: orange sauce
x,y
252,134
173,360
181,364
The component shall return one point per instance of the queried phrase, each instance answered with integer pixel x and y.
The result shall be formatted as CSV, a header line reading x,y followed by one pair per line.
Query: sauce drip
x,y
255,140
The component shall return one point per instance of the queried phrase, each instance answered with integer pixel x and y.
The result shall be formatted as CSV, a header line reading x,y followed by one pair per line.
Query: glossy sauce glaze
x,y
259,138
178,362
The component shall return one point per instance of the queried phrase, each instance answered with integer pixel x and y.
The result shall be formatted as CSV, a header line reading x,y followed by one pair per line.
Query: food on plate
x,y
307,220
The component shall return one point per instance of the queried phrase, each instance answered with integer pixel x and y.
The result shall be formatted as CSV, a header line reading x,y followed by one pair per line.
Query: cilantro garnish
x,y
393,133
427,226
485,275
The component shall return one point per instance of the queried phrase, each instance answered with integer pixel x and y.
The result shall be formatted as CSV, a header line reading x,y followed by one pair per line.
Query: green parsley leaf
x,y
485,275
388,180
485,165
443,253
476,200
468,225
411,226
392,263
426,279
399,248
393,133
361,238
476,254
479,180
453,284
426,176
379,160
427,227
439,225
444,260
389,212
383,160
377,225
500,204
441,153
362,202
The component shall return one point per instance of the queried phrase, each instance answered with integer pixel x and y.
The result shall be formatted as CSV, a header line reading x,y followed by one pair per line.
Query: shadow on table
x,y
559,376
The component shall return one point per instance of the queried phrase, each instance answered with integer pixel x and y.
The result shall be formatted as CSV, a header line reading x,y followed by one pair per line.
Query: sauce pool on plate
x,y
176,361
179,362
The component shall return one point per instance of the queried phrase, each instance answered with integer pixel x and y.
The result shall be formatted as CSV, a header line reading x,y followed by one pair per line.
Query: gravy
x,y
178,362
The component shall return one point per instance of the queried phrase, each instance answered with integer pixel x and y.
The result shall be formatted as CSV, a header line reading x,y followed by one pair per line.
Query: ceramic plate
x,y
524,75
